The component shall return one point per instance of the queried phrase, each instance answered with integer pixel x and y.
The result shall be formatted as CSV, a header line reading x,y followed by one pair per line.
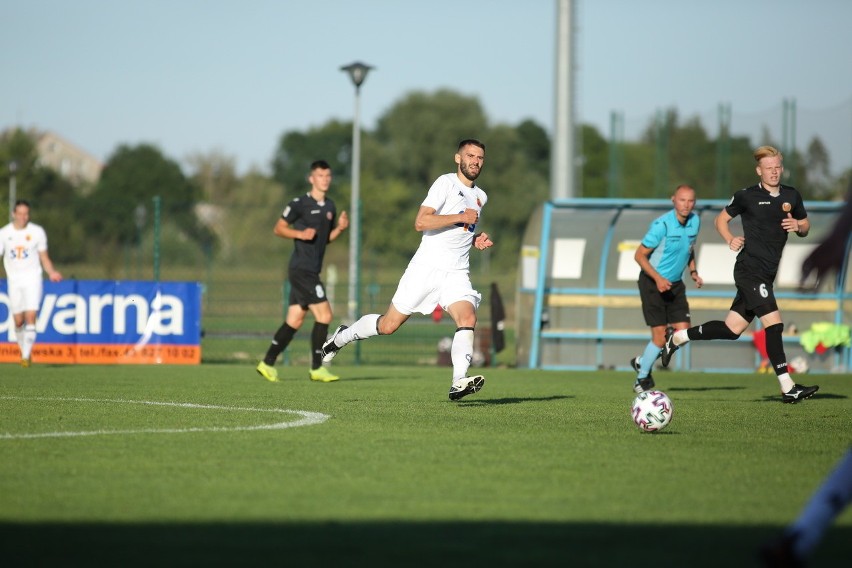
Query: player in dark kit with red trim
x,y
310,221
769,211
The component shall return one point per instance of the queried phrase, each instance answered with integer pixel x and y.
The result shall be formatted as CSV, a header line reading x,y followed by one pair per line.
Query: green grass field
x,y
185,466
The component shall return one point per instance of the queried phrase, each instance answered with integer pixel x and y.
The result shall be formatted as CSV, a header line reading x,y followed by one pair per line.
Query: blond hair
x,y
766,152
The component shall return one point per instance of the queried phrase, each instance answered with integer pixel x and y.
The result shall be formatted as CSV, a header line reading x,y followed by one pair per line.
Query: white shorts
x,y
422,288
25,293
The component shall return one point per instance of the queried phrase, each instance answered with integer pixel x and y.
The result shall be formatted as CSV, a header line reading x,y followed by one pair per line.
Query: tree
x,y
296,151
52,197
121,206
817,179
215,174
418,135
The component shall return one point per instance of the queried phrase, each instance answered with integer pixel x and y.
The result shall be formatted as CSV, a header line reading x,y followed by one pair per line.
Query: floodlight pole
x,y
358,73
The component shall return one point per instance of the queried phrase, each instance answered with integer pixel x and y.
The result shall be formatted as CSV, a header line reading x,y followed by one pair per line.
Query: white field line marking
x,y
308,419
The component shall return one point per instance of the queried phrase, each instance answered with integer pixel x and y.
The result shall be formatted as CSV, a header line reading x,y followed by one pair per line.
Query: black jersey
x,y
761,216
306,212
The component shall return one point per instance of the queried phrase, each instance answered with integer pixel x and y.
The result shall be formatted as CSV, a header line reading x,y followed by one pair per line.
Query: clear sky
x,y
233,75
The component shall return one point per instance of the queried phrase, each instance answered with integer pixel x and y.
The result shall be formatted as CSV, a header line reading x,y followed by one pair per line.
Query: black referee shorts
x,y
663,309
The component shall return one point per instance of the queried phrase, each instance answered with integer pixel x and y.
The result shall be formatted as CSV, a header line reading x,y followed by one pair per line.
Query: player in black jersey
x,y
310,221
769,212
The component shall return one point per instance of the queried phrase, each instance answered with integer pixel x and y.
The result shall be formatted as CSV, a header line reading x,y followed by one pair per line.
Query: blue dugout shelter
x,y
578,305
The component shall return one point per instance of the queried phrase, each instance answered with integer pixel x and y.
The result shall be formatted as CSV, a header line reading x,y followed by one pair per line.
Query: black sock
x,y
318,337
280,341
711,330
775,348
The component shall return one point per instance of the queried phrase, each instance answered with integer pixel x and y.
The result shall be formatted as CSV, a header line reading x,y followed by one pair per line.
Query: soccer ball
x,y
652,411
798,365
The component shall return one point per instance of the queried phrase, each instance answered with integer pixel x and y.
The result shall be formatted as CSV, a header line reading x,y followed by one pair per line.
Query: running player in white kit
x,y
439,272
24,249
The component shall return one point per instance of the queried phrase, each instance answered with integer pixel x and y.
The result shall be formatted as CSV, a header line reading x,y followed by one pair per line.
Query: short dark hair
x,y
21,202
320,165
473,141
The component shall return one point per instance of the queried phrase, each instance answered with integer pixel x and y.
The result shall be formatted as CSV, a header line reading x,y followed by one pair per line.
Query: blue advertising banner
x,y
113,322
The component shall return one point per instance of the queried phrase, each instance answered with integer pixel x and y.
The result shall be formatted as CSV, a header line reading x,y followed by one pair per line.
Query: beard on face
x,y
466,172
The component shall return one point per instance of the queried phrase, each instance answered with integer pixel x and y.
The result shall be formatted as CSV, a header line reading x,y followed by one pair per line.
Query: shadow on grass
x,y
512,400
814,399
378,544
703,389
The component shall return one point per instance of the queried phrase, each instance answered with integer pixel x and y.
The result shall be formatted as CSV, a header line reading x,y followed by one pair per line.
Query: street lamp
x,y
13,188
357,72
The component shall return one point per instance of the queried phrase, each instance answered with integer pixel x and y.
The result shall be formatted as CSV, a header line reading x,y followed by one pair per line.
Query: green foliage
x,y
217,213
53,199
215,175
515,183
388,209
247,219
121,207
595,160
133,176
296,151
419,134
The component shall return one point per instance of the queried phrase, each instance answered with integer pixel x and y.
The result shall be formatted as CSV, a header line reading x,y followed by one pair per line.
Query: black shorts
x,y
663,309
306,288
755,294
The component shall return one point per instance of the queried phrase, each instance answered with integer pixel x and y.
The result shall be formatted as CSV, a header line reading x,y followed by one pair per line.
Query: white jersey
x,y
20,249
448,248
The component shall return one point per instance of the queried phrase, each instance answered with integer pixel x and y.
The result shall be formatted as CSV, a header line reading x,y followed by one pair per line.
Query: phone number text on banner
x,y
110,322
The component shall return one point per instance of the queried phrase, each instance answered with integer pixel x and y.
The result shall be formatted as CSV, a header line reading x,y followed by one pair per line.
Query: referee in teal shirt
x,y
667,249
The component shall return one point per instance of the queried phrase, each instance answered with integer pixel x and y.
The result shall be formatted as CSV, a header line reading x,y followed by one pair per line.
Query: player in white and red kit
x,y
24,249
439,272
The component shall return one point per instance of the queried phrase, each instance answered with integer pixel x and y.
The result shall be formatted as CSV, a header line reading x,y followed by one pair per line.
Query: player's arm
x,y
46,263
798,226
427,219
285,231
642,258
482,241
722,222
693,270
342,223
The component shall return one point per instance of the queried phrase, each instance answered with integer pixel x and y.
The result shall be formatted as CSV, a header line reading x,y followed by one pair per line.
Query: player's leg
x,y
282,338
322,317
644,363
461,302
414,292
31,300
791,392
365,327
656,317
19,332
29,337
736,322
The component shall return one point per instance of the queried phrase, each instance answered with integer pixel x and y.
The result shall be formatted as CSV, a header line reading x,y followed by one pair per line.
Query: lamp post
x,y
13,188
357,72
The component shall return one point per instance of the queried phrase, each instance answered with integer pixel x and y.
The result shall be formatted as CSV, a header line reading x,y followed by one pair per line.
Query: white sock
x,y
19,337
28,342
680,337
461,352
786,382
361,329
